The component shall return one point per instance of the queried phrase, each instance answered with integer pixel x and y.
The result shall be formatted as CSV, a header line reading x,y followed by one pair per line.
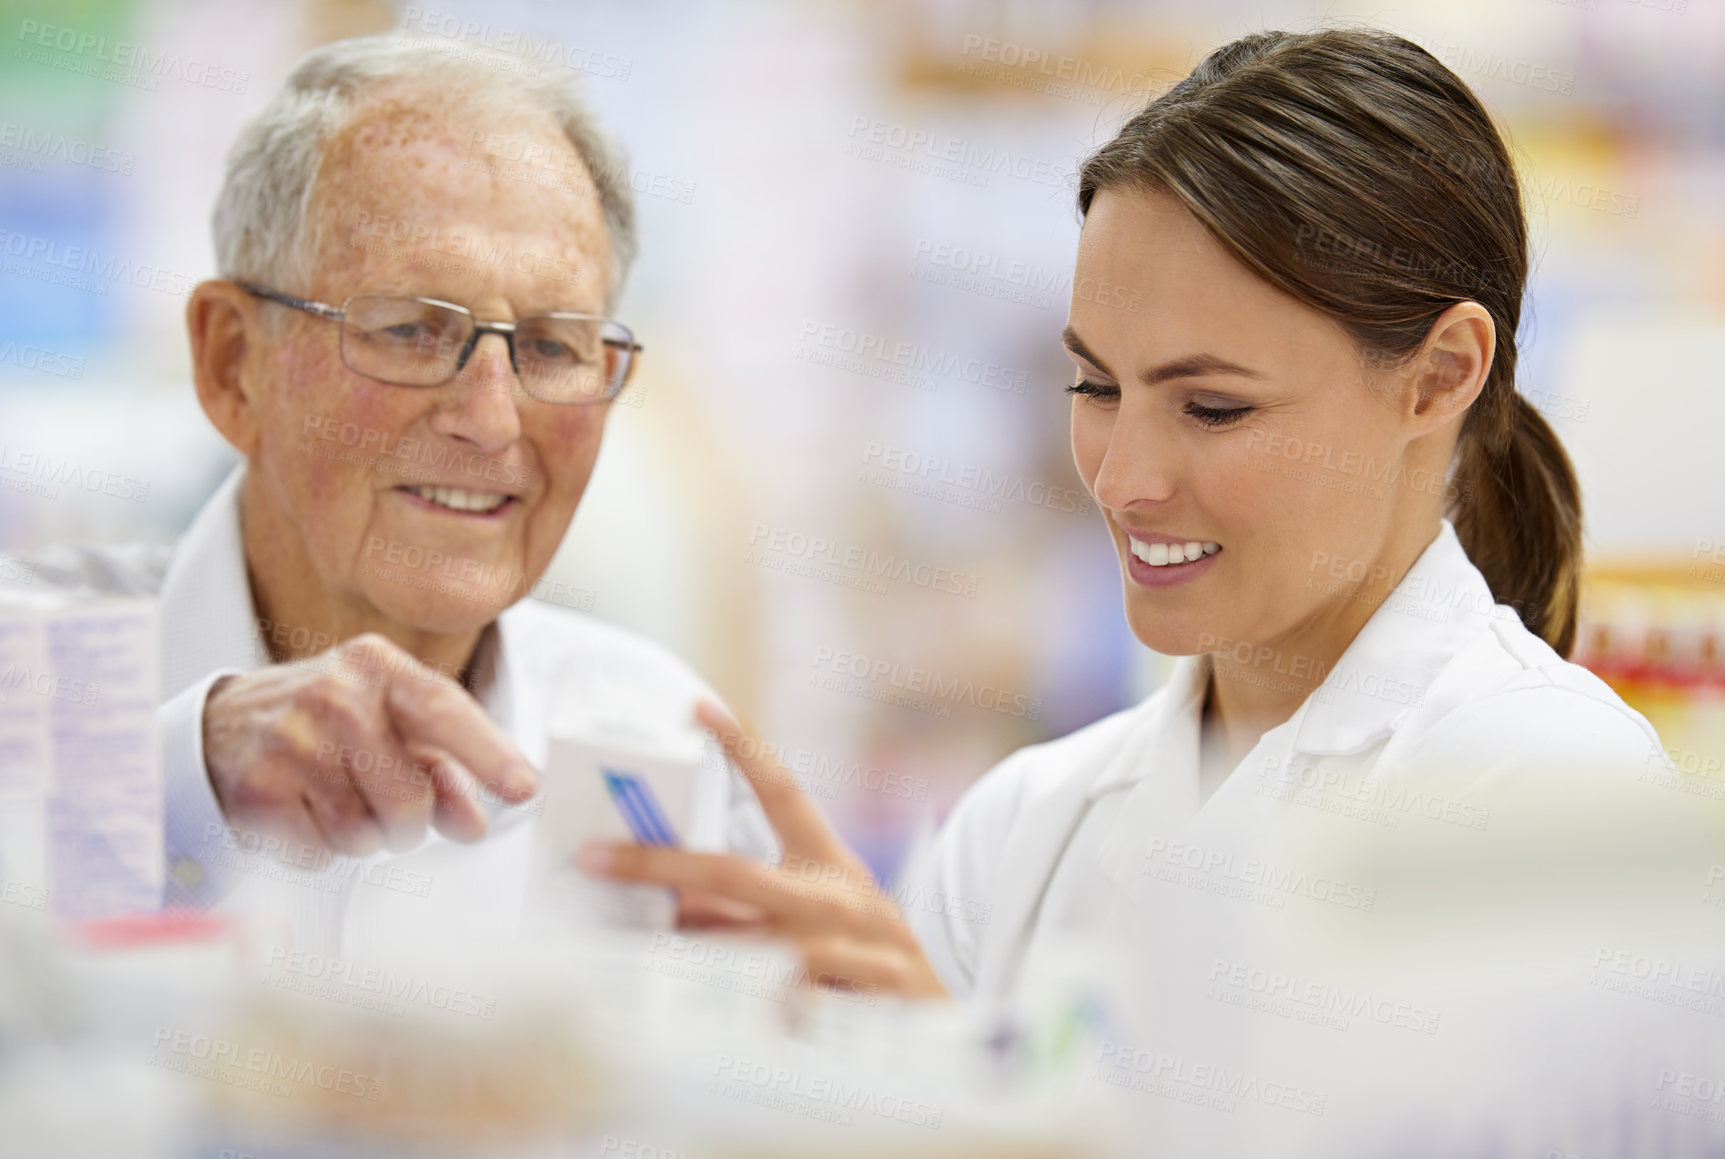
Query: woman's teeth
x,y
458,500
1163,554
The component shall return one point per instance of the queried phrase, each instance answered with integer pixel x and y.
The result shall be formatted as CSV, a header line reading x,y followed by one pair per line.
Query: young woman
x,y
1294,330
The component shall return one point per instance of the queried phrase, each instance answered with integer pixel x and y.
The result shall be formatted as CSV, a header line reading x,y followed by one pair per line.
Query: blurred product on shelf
x,y
1653,631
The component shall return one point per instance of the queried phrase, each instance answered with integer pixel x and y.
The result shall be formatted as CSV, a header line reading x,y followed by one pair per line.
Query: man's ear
x,y
222,322
1452,365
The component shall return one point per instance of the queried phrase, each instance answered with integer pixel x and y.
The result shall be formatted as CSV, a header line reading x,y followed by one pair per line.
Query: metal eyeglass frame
x,y
505,330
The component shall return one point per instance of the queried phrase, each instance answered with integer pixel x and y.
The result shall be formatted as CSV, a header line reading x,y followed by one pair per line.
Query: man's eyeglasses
x,y
563,358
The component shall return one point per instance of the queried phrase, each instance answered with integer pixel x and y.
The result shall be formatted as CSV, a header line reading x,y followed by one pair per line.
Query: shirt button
x,y
187,873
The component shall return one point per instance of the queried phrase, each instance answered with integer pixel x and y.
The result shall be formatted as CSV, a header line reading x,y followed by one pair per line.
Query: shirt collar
x,y
208,622
1437,609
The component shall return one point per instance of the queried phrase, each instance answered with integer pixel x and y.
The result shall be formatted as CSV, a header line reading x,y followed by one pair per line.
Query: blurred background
x,y
857,234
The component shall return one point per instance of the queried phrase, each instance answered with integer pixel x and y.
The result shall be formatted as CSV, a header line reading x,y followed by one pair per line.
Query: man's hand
x,y
820,896
359,748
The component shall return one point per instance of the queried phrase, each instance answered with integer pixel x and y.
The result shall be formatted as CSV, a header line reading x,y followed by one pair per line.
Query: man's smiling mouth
x,y
461,499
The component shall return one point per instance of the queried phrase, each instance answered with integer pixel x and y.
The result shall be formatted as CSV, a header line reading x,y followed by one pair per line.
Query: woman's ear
x,y
222,323
1453,364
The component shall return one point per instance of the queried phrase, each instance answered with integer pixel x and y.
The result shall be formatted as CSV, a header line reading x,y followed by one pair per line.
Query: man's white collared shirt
x,y
209,628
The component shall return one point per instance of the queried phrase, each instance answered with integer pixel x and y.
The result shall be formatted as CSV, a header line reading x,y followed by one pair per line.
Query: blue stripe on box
x,y
634,799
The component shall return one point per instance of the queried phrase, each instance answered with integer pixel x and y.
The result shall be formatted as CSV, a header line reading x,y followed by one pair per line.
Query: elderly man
x,y
410,345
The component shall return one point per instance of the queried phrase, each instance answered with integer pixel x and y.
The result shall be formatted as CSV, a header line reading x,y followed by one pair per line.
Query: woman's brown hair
x,y
1353,171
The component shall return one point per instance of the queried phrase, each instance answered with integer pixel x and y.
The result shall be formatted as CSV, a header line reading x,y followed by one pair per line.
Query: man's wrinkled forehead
x,y
422,135
410,171
404,121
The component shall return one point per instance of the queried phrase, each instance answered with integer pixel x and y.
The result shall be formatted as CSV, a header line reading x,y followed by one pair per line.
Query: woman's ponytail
x,y
1517,511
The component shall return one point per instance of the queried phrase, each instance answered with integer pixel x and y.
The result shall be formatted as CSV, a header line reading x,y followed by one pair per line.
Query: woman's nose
x,y
1136,466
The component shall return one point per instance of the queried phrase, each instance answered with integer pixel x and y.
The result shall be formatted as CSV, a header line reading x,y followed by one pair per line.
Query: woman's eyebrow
x,y
1070,339
1194,366
1191,366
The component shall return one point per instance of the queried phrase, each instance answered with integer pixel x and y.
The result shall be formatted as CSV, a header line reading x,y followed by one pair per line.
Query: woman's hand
x,y
820,896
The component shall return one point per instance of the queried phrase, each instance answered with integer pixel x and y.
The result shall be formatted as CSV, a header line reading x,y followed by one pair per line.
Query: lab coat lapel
x,y
1167,798
1038,846
1029,864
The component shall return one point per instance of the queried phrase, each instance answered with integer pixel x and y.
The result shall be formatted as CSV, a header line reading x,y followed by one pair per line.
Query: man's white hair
x,y
260,217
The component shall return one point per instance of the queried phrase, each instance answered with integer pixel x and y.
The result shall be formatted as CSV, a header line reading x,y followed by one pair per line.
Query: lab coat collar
x,y
1441,605
1436,610
1172,717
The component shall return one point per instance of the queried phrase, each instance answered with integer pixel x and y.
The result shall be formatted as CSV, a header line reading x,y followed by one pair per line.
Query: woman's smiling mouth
x,y
1164,554
1168,561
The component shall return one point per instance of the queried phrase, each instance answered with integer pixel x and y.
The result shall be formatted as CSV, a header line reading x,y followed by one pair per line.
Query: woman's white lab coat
x,y
1442,698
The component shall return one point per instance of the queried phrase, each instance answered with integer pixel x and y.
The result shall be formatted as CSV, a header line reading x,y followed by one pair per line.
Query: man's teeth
x,y
460,500
1163,554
